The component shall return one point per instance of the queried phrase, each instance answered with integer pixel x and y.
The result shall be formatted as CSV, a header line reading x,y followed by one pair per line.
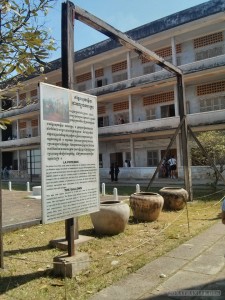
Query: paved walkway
x,y
197,266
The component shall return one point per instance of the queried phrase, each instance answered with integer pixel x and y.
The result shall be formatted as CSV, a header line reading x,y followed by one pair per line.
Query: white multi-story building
x,y
137,100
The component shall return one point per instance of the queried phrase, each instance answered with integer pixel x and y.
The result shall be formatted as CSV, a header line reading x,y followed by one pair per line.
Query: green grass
x,y
28,256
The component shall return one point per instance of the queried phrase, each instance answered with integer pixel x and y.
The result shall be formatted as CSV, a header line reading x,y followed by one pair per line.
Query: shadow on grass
x,y
12,282
88,232
27,250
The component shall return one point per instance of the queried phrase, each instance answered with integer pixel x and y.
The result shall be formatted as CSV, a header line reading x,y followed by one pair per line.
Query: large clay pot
x,y
175,198
112,217
146,206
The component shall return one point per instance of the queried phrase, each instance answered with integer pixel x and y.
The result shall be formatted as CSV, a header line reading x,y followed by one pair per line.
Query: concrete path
x,y
194,270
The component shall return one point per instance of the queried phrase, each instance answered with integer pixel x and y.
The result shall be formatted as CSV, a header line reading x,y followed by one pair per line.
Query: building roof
x,y
169,22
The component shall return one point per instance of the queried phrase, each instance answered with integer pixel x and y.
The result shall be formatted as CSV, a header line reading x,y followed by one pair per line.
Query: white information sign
x,y
69,151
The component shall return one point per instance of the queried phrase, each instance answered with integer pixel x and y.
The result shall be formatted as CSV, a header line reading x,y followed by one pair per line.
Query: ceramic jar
x,y
175,198
146,206
112,217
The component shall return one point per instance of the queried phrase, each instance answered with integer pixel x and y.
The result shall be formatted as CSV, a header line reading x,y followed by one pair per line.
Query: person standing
x,y
117,170
173,166
112,171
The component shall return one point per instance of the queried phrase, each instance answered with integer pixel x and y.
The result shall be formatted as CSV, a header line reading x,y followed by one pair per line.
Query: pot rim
x,y
171,188
145,194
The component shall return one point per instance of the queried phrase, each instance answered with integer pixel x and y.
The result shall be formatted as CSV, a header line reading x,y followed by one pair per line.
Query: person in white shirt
x,y
173,166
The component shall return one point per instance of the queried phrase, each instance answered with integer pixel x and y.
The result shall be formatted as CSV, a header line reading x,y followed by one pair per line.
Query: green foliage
x,y
214,144
24,41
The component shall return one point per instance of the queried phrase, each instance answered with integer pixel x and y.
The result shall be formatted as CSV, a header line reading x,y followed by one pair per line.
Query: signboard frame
x,y
69,151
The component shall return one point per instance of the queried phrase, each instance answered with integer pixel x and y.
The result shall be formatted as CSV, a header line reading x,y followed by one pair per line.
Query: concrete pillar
x,y
17,97
132,153
18,161
174,53
130,109
128,66
92,77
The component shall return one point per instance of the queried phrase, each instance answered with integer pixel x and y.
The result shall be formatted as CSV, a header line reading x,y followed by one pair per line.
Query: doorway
x,y
117,158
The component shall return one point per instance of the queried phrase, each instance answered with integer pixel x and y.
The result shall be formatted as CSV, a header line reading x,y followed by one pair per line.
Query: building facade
x,y
137,100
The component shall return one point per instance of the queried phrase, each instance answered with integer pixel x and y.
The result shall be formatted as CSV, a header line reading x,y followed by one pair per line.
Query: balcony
x,y
193,67
139,128
17,143
207,118
161,127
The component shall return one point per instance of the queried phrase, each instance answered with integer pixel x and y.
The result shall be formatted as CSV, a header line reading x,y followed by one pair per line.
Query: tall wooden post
x,y
184,137
1,208
67,54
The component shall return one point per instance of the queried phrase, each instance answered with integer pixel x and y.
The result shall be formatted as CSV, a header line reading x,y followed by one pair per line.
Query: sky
x,y
121,14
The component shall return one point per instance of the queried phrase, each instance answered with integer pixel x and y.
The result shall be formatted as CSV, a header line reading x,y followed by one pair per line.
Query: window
x,y
152,158
34,162
151,113
212,104
167,111
103,121
101,82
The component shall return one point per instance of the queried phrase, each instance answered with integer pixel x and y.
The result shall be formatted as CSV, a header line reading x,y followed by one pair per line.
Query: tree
x,y
214,144
24,41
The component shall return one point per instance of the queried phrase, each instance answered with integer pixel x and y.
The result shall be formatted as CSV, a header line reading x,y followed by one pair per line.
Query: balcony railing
x,y
188,68
140,127
20,142
197,119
